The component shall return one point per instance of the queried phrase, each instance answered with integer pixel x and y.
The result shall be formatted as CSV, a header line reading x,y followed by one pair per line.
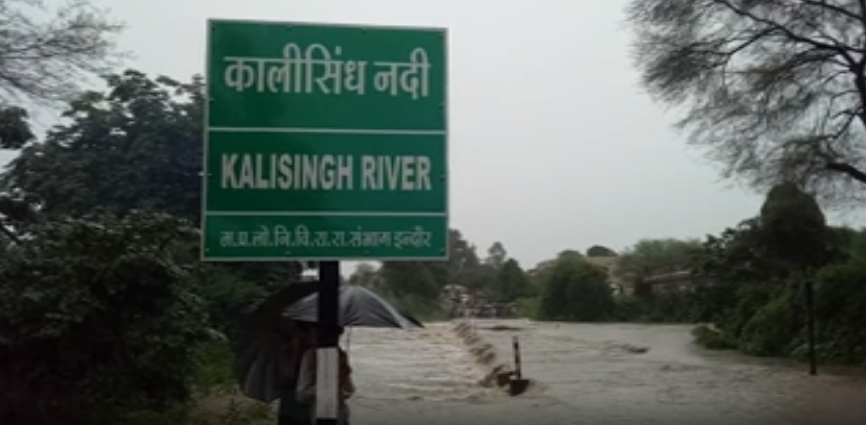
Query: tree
x,y
794,227
463,258
15,129
540,273
775,89
600,251
737,256
137,146
409,279
511,282
496,255
46,52
656,256
576,290
94,312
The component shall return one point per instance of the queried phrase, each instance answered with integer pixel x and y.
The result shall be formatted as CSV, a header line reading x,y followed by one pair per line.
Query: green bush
x,y
527,307
96,313
771,330
713,338
629,308
576,290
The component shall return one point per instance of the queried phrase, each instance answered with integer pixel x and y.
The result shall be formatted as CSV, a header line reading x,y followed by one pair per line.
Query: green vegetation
x,y
418,286
576,290
745,288
106,314
779,104
108,317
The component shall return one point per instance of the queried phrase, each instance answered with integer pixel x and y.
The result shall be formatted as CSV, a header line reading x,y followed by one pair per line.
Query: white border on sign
x,y
446,132
331,25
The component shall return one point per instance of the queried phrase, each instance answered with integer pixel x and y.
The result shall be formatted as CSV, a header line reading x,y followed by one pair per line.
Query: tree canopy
x,y
600,251
774,89
143,135
576,290
793,226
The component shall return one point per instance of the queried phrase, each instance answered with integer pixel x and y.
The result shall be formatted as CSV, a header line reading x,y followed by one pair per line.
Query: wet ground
x,y
591,374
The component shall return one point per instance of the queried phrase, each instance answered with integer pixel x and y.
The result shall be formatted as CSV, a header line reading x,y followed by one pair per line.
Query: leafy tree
x,y
794,227
774,89
96,312
138,146
409,279
656,256
480,278
496,255
576,290
15,129
463,259
46,52
600,251
840,303
540,273
511,282
737,256
569,253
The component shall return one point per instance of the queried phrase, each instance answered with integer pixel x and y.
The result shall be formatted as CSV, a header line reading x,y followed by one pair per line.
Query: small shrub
x,y
713,338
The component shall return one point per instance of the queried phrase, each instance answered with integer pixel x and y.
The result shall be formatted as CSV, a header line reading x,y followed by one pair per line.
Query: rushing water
x,y
426,364
620,372
608,374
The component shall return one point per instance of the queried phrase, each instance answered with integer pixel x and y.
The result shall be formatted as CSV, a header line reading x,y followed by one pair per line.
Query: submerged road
x,y
590,374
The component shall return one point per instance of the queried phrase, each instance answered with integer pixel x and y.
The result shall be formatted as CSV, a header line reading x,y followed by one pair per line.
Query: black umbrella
x,y
358,307
261,343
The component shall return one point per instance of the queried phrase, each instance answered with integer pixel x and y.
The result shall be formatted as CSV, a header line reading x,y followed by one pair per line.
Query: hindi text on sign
x,y
316,70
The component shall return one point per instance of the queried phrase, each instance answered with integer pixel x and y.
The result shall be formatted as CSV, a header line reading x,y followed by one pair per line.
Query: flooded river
x,y
606,374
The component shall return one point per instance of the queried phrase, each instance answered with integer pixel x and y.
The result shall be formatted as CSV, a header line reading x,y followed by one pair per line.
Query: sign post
x,y
325,143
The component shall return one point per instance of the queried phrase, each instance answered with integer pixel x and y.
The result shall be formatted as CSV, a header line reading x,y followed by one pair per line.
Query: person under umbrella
x,y
268,353
299,340
306,382
358,307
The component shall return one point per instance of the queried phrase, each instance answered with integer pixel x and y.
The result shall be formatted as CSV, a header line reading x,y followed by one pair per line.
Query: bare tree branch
x,y
771,88
46,52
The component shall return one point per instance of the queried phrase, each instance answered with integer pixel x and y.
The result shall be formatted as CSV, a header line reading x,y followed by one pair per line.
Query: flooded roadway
x,y
604,374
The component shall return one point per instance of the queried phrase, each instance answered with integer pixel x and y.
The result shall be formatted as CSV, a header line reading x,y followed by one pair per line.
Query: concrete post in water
x,y
810,314
327,359
518,373
517,385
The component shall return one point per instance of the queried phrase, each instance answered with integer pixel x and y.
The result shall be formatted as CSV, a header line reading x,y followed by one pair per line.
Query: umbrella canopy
x,y
262,342
358,307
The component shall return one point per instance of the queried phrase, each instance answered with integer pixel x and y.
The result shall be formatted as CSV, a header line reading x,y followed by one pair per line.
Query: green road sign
x,y
325,142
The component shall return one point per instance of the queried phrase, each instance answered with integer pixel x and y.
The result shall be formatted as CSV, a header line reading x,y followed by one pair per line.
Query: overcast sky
x,y
553,144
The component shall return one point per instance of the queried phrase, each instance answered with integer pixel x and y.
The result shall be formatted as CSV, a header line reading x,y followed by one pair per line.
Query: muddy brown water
x,y
609,374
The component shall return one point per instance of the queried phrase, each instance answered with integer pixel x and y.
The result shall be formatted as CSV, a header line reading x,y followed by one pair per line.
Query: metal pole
x,y
810,314
327,376
518,367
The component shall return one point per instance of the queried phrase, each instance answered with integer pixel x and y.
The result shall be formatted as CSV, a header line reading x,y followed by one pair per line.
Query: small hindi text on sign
x,y
303,237
318,70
